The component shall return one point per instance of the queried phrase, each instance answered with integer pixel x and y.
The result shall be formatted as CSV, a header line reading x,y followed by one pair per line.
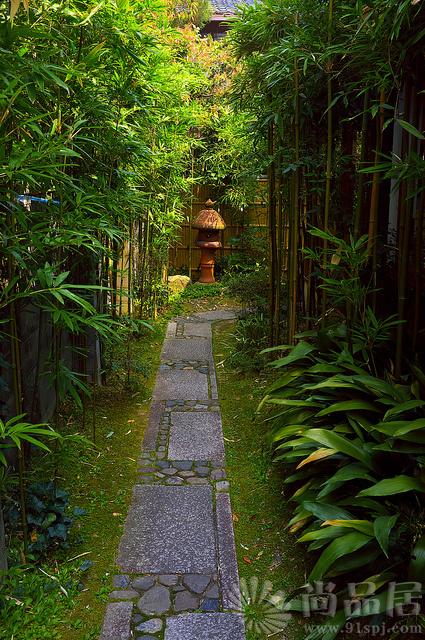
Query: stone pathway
x,y
179,576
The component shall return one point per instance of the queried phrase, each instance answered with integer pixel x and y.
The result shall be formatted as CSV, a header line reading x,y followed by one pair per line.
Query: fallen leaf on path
x,y
235,517
130,421
247,560
116,514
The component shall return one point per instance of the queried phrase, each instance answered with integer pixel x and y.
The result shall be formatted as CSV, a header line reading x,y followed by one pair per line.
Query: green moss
x,y
265,549
99,479
102,482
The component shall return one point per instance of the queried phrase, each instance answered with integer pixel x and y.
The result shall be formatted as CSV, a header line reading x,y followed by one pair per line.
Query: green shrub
x,y
198,291
250,335
351,442
48,518
352,447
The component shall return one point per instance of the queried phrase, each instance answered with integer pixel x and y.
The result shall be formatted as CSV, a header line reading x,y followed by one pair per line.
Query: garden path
x,y
179,577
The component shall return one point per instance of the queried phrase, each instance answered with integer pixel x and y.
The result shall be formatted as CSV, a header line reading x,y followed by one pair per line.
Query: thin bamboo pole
x,y
362,158
272,232
295,213
329,155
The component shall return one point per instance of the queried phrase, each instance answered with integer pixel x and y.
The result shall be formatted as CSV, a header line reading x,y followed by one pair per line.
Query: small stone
x,y
186,474
210,604
202,471
161,455
169,472
223,485
217,464
125,594
146,479
218,474
150,626
212,592
156,600
170,403
146,470
180,403
214,408
161,448
159,474
183,465
197,480
196,582
137,618
169,580
144,463
178,588
174,481
143,584
186,601
203,369
163,464
120,582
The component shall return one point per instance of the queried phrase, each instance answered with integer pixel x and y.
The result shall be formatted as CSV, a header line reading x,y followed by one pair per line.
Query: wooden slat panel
x,y
255,215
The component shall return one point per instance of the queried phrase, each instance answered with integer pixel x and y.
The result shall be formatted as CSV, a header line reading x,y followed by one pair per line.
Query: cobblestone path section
x,y
179,577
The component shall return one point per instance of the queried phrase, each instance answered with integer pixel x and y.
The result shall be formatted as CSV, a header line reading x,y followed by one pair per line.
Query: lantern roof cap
x,y
209,218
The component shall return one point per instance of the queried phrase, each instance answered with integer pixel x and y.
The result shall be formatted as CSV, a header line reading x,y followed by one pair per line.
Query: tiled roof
x,y
228,6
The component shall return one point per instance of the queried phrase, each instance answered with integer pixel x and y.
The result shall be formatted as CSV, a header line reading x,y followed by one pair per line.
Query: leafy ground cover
x,y
99,478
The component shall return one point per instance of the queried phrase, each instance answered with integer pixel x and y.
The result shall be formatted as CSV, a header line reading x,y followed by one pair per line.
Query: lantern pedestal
x,y
209,223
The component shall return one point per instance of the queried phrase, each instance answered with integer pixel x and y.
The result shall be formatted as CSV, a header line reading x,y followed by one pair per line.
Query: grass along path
x,y
265,549
102,485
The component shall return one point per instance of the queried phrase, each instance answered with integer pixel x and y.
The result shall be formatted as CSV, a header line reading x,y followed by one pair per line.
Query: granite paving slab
x,y
197,329
116,625
228,565
169,530
196,436
177,349
179,384
207,626
219,314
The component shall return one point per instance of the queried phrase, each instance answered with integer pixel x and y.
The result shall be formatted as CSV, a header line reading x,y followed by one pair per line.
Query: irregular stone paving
x,y
178,575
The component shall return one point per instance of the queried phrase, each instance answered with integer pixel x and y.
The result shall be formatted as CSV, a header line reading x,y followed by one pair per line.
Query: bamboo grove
x,y
102,114
337,89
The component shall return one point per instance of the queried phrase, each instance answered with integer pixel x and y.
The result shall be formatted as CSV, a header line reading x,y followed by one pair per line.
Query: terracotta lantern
x,y
210,223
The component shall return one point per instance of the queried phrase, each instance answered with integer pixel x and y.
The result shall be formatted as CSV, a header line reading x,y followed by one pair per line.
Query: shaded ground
x,y
100,482
265,548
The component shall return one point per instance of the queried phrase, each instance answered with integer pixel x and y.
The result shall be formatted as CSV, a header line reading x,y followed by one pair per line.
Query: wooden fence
x,y
184,255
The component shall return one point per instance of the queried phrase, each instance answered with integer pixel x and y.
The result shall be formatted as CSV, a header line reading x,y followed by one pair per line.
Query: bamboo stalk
x,y
329,155
295,210
404,242
374,199
279,249
360,177
272,233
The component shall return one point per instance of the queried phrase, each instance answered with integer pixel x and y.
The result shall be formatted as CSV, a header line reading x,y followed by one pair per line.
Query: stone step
x,y
208,626
169,530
